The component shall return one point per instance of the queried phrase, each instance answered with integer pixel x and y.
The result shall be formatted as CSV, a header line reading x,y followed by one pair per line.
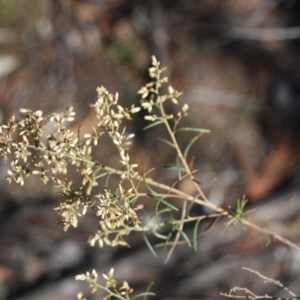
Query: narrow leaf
x,y
193,129
169,143
149,244
107,180
189,145
168,239
159,212
166,203
165,210
184,236
191,204
159,199
148,293
174,168
145,294
160,236
178,168
195,234
153,125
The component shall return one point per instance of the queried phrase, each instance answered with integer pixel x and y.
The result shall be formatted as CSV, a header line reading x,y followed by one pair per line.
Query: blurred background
x,y
237,63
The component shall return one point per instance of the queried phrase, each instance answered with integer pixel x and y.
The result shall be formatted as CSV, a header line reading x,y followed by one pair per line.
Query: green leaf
x,y
189,145
107,180
166,203
239,206
168,239
184,236
159,236
178,167
191,204
174,168
149,244
133,200
169,143
145,294
165,210
153,125
159,199
193,129
233,221
195,234
159,212
239,212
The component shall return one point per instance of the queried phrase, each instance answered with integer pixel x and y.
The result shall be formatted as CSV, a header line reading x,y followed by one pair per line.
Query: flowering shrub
x,y
31,151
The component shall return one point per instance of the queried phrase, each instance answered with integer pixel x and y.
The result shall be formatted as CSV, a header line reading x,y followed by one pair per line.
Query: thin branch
x,y
174,244
271,233
273,281
190,198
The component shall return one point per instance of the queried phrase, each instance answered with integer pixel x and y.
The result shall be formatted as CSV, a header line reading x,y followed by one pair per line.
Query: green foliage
x,y
239,213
